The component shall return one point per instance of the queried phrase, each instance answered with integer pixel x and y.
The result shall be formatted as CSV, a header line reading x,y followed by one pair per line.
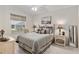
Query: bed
x,y
34,42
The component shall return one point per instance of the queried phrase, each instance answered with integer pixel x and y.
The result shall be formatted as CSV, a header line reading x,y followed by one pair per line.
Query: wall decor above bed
x,y
46,20
46,27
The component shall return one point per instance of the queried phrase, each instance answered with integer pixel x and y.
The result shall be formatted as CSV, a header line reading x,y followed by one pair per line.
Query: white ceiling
x,y
41,8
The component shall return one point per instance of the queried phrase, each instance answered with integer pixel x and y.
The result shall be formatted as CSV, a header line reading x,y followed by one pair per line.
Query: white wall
x,y
67,15
5,18
78,24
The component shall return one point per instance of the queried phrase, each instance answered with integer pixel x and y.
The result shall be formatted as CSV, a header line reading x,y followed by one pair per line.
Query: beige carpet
x,y
53,49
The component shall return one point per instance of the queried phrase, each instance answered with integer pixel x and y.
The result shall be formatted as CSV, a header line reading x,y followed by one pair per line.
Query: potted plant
x,y
2,33
2,37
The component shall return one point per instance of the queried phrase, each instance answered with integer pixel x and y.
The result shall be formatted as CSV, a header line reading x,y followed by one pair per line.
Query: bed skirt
x,y
29,49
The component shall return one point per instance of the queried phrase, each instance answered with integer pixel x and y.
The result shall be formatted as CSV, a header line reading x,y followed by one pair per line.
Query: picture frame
x,y
46,20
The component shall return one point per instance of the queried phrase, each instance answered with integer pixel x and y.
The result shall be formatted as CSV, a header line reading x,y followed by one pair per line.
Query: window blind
x,y
17,17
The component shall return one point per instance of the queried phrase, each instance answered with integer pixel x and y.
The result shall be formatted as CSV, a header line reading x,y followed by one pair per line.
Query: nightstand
x,y
8,47
60,40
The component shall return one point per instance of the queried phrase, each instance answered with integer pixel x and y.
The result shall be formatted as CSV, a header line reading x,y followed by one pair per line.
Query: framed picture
x,y
46,20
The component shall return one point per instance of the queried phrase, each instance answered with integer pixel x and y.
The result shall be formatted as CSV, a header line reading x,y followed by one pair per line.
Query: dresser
x,y
8,47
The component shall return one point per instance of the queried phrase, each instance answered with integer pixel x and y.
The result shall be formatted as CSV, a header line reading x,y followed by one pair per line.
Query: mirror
x,y
73,36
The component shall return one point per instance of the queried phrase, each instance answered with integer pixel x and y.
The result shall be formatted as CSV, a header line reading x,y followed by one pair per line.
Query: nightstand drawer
x,y
60,40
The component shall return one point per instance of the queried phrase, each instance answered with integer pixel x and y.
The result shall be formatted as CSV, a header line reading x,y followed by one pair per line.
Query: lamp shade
x,y
60,27
34,26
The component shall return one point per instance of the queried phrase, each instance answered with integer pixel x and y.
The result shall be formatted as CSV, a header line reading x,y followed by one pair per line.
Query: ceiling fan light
x,y
34,9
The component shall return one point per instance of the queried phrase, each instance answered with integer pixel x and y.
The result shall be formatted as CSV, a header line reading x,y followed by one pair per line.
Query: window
x,y
17,23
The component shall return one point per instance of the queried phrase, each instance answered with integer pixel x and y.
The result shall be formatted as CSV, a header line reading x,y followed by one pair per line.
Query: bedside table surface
x,y
10,39
60,37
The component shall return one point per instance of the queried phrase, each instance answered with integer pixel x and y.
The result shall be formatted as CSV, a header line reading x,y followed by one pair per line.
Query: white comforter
x,y
34,40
